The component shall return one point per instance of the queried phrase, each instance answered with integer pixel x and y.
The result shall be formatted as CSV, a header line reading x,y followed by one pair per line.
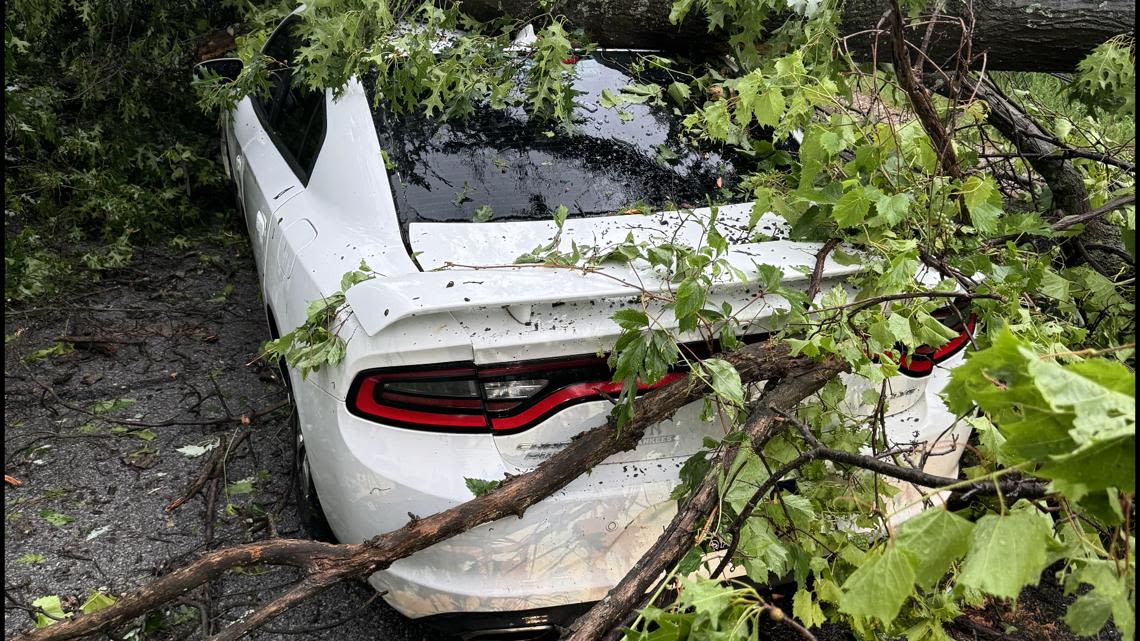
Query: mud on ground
x,y
111,394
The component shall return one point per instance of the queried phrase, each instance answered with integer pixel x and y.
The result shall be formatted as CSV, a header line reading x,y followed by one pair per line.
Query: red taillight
x,y
922,360
445,399
465,398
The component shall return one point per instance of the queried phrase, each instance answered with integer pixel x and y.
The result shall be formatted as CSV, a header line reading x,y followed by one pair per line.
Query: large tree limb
x,y
1059,33
920,97
1035,144
1050,159
326,564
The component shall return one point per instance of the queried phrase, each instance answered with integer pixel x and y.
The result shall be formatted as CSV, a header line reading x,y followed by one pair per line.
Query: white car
x,y
460,366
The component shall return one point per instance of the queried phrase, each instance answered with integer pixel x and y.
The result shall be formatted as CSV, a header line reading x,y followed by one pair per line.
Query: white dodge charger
x,y
461,366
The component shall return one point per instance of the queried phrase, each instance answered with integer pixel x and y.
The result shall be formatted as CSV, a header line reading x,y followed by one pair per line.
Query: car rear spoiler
x,y
381,302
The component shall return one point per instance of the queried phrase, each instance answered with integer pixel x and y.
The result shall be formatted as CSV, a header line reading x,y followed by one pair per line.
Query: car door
x,y
279,137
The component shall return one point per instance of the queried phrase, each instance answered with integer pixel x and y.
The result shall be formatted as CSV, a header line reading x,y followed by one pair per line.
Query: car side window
x,y
294,116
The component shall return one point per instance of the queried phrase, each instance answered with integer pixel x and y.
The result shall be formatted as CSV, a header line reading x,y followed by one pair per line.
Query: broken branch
x,y
326,564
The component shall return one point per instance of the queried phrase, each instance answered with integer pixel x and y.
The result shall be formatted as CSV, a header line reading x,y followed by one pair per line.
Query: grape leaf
x,y
934,539
725,381
880,586
707,598
769,107
852,207
983,201
55,518
892,209
97,601
1006,553
807,610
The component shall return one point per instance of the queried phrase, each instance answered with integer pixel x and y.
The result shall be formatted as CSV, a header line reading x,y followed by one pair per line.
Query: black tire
x,y
309,509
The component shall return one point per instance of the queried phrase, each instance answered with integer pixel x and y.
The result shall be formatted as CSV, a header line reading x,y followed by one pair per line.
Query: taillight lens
x,y
464,398
956,316
503,398
445,398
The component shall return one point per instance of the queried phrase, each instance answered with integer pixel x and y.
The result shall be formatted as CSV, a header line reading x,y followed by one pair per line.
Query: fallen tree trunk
x,y
1016,35
326,564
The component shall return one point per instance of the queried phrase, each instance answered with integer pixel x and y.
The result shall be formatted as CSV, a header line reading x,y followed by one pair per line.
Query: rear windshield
x,y
522,169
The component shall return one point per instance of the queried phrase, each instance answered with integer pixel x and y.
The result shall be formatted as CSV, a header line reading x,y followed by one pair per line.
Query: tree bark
x,y
1016,35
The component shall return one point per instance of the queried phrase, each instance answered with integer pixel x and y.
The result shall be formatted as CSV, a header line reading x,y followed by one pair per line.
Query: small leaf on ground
x,y
52,611
31,558
244,486
55,518
113,405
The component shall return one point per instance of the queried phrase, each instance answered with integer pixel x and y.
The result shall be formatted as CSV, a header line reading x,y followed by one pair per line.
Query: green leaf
x,y
983,200
764,553
55,518
97,601
679,92
689,299
717,124
1054,286
1089,613
769,107
843,258
707,598
806,610
769,277
879,586
893,209
900,329
1097,393
113,405
52,607
725,381
832,142
629,318
1111,596
666,156
1095,466
997,379
852,207
692,473
933,540
479,487
560,214
1096,399
31,558
244,486
1006,553
610,99
483,213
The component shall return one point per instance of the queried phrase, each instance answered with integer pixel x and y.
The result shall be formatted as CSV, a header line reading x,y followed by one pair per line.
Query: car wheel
x,y
308,503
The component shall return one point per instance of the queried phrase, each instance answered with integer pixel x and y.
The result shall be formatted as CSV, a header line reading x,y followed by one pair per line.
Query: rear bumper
x,y
570,548
537,624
